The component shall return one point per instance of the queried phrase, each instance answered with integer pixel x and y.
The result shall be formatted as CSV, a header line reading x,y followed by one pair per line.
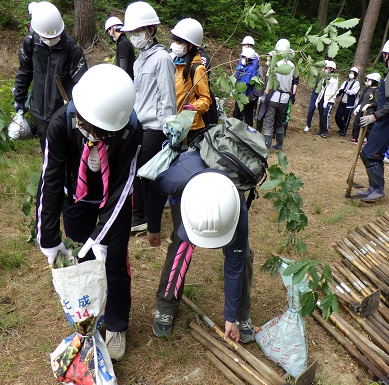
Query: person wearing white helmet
x,y
155,93
245,71
348,91
327,95
367,104
278,99
372,153
125,55
30,8
192,85
248,42
48,51
87,175
208,211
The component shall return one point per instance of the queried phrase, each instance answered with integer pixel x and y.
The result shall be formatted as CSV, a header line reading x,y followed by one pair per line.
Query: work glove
x,y
365,107
293,98
52,252
19,106
325,104
189,107
252,97
349,92
100,251
366,120
357,109
340,92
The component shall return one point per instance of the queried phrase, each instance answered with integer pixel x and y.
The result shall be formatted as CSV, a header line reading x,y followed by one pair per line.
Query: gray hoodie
x,y
155,87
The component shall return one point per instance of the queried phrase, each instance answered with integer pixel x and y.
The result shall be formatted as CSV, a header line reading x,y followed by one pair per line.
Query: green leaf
x,y
319,46
272,265
283,161
327,273
269,185
333,50
346,24
295,267
345,40
240,87
308,303
284,69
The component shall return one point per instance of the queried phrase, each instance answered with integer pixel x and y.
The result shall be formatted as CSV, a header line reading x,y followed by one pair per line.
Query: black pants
x,y
41,128
79,222
151,145
247,115
342,117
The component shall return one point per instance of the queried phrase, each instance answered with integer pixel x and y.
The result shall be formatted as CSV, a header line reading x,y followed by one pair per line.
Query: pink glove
x,y
189,107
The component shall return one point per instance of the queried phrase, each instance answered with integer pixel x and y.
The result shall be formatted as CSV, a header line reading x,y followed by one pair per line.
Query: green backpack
x,y
237,149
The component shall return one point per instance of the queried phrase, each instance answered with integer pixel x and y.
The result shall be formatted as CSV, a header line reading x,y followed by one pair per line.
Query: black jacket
x,y
125,55
38,63
60,169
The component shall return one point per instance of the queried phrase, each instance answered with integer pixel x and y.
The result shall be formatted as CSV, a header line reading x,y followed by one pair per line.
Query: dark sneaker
x,y
162,325
246,331
374,195
353,141
323,135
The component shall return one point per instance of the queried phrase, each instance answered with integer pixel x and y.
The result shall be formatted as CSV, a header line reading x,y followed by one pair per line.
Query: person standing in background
x,y
125,55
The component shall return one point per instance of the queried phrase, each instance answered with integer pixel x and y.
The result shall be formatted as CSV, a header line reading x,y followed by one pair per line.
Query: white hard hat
x,y
113,21
354,69
374,76
105,97
282,45
385,48
210,208
331,64
248,40
189,30
139,14
46,20
31,7
248,52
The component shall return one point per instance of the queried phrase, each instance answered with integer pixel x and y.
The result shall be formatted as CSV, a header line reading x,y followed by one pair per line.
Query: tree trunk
x,y
322,13
84,26
362,53
384,39
294,9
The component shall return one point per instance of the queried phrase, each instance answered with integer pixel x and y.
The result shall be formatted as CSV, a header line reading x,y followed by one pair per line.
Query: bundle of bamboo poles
x,y
361,283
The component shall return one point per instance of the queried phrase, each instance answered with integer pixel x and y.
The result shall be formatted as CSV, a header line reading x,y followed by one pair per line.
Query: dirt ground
x,y
37,323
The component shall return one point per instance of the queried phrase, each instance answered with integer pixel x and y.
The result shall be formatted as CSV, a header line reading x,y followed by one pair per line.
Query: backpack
x,y
211,116
239,150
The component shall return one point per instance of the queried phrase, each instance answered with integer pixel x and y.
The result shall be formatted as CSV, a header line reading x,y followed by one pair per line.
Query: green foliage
x,y
283,190
29,203
317,282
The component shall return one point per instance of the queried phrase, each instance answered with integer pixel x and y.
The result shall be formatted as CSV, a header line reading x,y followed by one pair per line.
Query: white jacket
x,y
155,89
328,92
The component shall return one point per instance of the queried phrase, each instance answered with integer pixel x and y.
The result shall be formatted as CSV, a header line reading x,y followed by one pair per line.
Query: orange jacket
x,y
198,96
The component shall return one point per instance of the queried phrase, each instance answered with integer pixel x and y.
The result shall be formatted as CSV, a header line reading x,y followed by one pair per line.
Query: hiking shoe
x,y
306,129
116,344
374,195
246,331
353,141
141,226
386,160
162,325
277,147
323,135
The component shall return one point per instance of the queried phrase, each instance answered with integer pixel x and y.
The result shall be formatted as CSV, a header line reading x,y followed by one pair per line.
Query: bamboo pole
x,y
272,376
250,370
363,361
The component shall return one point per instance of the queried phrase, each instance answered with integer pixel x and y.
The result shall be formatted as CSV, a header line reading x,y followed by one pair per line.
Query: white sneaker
x,y
306,129
116,344
386,160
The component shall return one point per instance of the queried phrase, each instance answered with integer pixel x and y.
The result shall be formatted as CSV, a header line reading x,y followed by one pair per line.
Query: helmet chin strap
x,y
150,38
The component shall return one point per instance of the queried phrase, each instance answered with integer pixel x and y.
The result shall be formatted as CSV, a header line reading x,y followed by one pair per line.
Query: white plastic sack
x,y
177,127
83,356
282,339
19,128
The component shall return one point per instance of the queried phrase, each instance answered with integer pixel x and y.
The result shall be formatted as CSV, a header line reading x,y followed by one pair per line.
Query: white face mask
x,y
178,49
138,39
51,42
87,134
244,61
368,83
351,76
327,71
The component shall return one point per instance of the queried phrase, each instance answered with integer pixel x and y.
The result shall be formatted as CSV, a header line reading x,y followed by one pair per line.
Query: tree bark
x,y
322,13
362,53
384,39
84,26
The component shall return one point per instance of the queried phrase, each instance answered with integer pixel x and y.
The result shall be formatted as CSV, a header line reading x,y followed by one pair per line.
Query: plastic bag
x,y
282,339
177,127
19,128
83,358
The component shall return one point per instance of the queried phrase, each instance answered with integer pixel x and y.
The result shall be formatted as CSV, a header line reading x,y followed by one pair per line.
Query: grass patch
x,y
340,214
11,260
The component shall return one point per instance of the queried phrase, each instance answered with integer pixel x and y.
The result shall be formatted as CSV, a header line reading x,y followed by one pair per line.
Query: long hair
x,y
190,55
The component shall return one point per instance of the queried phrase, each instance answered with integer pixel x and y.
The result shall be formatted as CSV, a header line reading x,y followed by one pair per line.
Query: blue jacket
x,y
172,182
245,73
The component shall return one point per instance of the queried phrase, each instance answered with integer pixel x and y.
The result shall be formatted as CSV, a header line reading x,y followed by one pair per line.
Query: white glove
x,y
52,252
325,104
365,107
366,120
357,109
100,251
